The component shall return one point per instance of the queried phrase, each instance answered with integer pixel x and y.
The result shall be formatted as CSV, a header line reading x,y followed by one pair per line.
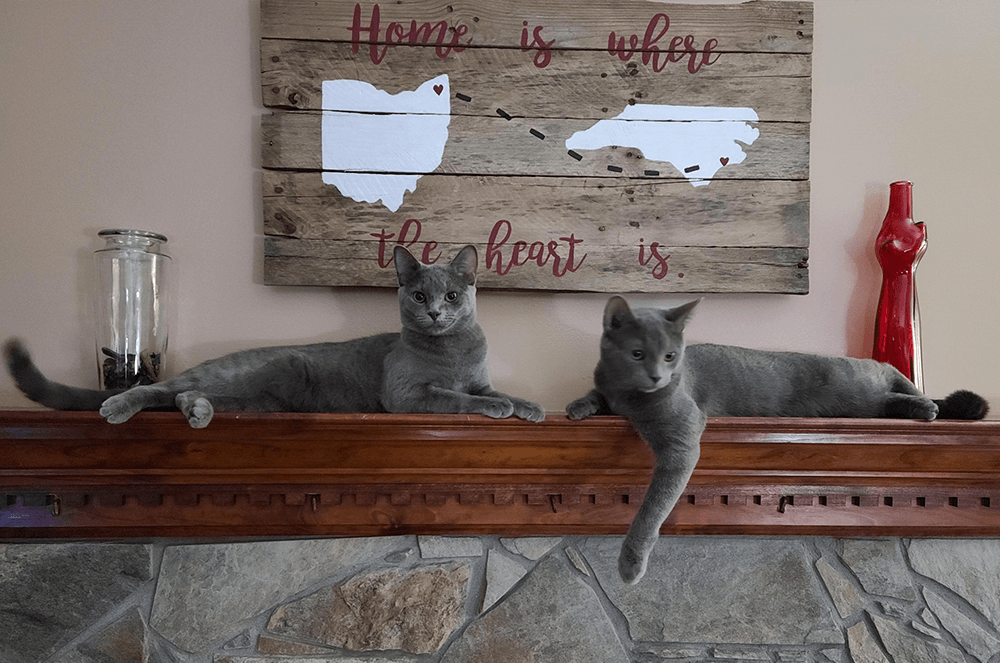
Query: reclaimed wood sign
x,y
598,145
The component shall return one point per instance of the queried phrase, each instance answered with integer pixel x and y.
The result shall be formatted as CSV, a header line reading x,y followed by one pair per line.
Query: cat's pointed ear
x,y
406,264
616,313
681,315
465,264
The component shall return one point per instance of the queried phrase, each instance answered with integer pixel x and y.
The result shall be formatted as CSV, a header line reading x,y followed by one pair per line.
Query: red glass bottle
x,y
899,246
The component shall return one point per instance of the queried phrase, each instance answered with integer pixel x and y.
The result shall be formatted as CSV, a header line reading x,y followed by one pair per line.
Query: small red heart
x,y
438,89
724,160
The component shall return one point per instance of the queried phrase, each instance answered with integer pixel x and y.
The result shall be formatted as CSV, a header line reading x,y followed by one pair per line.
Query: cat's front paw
x,y
498,408
528,410
631,563
581,408
118,409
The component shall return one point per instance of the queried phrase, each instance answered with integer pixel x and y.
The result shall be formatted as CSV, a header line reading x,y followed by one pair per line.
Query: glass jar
x,y
131,307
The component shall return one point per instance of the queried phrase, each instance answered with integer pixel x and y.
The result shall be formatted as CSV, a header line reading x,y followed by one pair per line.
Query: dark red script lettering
x,y
661,268
538,252
404,240
544,54
521,252
678,49
400,33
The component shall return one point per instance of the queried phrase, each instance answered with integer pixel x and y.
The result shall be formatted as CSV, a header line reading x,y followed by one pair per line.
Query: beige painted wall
x,y
116,113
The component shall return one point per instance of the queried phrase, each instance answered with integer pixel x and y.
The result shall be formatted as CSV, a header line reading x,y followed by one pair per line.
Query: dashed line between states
x,y
575,155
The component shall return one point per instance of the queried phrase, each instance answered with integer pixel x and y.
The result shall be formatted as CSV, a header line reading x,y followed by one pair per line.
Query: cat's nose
x,y
434,315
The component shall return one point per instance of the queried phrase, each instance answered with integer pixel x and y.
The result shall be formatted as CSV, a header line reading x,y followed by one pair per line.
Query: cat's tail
x,y
42,390
962,404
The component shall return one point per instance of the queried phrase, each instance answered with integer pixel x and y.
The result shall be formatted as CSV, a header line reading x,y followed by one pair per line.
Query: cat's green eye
x,y
669,356
451,296
419,297
638,354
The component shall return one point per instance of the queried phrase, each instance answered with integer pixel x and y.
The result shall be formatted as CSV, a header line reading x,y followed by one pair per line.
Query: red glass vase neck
x,y
900,201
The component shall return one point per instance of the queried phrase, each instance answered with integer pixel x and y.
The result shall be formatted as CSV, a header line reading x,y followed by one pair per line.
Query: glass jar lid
x,y
119,232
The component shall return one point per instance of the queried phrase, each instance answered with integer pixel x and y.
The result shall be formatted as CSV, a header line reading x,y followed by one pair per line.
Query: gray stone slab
x,y
879,565
532,547
577,560
834,655
845,595
925,629
977,641
205,593
929,618
721,590
969,567
553,616
863,645
741,653
50,593
436,547
268,645
671,651
502,573
123,641
911,648
414,610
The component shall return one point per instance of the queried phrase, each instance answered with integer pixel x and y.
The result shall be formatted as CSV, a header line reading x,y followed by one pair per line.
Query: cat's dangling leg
x,y
675,438
196,407
120,407
670,477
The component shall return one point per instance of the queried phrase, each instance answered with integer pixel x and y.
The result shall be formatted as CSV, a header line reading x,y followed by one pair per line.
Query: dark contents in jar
x,y
121,372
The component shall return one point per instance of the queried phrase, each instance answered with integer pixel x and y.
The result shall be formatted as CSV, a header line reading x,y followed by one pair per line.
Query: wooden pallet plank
x,y
497,146
577,84
761,26
594,210
599,269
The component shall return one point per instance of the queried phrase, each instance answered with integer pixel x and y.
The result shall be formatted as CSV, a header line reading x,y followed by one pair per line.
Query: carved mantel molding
x,y
66,475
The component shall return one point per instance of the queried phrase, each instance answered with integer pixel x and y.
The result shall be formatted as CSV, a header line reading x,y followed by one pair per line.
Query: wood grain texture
x,y
522,80
613,210
600,268
495,146
759,26
777,86
71,475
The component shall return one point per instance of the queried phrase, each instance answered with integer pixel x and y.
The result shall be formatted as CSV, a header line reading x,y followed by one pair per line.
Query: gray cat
x,y
666,390
437,364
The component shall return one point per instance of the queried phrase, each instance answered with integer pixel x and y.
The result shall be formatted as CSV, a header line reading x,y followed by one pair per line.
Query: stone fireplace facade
x,y
419,599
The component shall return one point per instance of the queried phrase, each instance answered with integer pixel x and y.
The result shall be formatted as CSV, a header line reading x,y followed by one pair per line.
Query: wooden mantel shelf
x,y
72,476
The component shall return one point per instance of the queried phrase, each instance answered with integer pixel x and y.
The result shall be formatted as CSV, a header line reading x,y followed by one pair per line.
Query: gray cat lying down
x,y
666,390
437,364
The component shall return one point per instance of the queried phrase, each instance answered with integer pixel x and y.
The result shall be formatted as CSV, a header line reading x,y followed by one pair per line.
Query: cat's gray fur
x,y
436,364
666,390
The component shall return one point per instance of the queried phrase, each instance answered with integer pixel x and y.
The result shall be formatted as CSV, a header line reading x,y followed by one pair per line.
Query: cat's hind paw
x,y
631,564
524,409
196,407
118,409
